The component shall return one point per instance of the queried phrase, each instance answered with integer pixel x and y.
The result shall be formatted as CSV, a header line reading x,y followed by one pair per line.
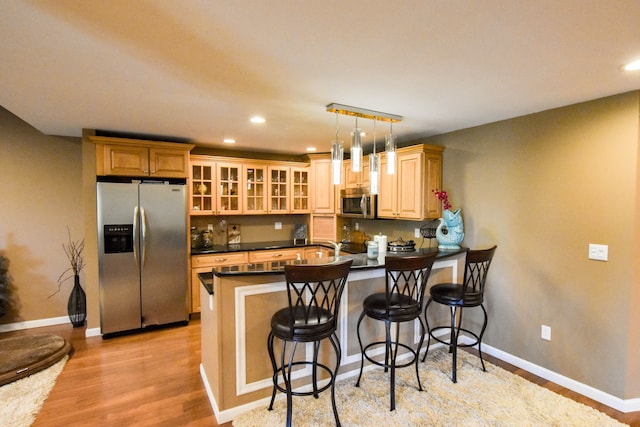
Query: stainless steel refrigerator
x,y
142,249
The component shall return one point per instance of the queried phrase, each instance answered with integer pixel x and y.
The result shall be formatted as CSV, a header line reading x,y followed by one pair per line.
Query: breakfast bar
x,y
237,303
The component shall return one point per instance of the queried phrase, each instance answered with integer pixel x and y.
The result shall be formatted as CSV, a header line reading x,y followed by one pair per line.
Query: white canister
x,y
372,249
382,247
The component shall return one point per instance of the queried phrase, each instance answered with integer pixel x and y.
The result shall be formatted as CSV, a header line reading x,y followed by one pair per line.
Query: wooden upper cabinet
x,y
433,175
300,197
356,179
237,186
215,187
408,194
323,192
202,200
168,163
254,183
140,158
410,191
270,188
229,189
279,186
126,160
387,191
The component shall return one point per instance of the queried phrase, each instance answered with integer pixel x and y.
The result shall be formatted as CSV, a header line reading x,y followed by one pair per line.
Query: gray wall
x,y
542,187
40,196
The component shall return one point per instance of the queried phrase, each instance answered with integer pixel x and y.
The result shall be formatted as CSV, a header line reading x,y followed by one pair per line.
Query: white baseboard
x,y
622,405
39,323
93,332
17,326
229,414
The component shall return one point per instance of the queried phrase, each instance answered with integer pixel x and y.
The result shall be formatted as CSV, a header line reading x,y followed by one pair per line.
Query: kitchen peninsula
x,y
237,302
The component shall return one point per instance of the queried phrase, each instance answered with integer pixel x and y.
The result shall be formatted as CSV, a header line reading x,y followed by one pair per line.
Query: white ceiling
x,y
198,69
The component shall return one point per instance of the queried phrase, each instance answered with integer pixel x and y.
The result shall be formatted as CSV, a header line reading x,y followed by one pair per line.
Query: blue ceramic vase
x,y
450,232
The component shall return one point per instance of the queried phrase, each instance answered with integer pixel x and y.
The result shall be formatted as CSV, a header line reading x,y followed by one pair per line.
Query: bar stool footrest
x,y
448,343
412,360
282,389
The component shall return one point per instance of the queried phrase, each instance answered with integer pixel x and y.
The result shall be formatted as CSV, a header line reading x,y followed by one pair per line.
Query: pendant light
x,y
337,154
356,148
356,142
374,165
390,150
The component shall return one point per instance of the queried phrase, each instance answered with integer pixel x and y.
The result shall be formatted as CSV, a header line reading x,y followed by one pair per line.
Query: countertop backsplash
x,y
391,228
260,228
253,228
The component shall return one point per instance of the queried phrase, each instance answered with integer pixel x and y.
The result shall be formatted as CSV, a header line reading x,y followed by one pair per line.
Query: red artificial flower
x,y
442,195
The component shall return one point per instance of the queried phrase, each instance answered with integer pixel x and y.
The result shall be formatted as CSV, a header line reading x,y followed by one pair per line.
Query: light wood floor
x,y
153,379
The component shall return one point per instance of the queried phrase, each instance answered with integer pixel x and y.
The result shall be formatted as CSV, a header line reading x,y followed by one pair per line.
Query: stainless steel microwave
x,y
358,203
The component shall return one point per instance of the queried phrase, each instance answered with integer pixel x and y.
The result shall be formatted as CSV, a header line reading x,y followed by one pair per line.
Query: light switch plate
x,y
598,252
278,226
545,332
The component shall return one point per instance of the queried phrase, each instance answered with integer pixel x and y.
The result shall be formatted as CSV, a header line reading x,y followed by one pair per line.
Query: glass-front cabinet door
x,y
202,197
278,190
254,184
229,189
300,191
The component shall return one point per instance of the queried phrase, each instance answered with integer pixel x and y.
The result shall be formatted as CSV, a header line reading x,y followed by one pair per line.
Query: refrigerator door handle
x,y
135,235
143,224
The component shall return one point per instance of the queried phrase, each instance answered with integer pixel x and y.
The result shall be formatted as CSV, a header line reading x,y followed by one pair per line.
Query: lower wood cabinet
x,y
312,252
277,257
274,255
204,264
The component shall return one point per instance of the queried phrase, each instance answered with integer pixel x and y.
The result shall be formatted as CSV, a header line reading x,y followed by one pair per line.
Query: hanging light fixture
x,y
390,150
356,148
374,165
356,139
337,154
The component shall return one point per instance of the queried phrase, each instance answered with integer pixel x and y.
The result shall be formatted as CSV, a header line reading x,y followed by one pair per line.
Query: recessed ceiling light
x,y
632,66
311,148
229,141
257,119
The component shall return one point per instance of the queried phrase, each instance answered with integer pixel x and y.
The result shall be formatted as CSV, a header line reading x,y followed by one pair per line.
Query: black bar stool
x,y
458,296
405,282
314,293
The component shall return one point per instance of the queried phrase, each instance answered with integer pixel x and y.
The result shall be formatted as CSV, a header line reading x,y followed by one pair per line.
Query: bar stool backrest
x,y
314,292
475,273
406,280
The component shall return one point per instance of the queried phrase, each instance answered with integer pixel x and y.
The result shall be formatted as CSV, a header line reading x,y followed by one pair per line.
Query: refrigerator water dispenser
x,y
118,238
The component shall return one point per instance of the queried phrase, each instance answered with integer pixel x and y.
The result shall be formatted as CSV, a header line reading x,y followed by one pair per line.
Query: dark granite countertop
x,y
277,244
360,262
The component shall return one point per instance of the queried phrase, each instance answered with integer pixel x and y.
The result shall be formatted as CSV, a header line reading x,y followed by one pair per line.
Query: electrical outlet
x,y
278,225
416,232
210,227
545,332
598,252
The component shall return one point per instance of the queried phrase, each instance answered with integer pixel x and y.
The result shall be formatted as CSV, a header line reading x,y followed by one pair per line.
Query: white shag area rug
x,y
493,398
21,400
